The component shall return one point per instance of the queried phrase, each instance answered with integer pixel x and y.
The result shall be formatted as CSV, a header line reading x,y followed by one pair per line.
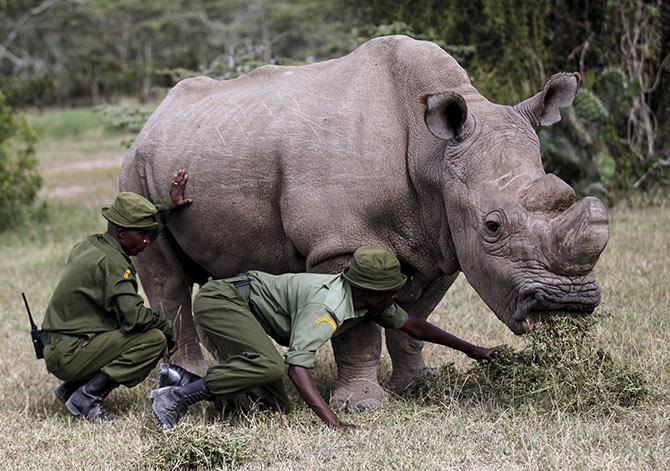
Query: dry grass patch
x,y
190,446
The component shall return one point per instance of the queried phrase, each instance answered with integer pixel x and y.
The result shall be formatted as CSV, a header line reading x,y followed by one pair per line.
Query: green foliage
x,y
19,177
587,147
67,52
201,447
64,52
28,89
124,118
510,47
562,368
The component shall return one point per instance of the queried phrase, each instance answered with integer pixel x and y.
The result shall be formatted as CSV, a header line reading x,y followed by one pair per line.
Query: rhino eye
x,y
492,226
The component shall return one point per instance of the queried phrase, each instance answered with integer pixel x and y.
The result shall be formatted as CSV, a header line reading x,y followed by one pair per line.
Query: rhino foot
x,y
408,381
358,395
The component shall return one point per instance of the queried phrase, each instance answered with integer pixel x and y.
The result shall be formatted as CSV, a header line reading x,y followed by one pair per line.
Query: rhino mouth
x,y
542,301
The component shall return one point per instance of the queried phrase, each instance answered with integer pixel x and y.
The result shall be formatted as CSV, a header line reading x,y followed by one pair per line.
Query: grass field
x,y
37,433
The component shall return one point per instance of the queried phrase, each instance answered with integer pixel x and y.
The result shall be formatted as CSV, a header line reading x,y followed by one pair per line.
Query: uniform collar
x,y
113,243
343,306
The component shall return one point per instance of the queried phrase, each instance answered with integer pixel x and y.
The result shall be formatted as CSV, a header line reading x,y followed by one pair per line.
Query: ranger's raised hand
x,y
178,190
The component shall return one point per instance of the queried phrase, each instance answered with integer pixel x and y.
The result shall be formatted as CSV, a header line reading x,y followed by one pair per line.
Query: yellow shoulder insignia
x,y
126,274
328,320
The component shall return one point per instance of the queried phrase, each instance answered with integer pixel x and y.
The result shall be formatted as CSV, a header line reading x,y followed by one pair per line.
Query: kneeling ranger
x,y
301,311
98,333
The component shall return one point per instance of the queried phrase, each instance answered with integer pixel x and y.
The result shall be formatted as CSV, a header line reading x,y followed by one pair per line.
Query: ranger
x,y
302,312
97,331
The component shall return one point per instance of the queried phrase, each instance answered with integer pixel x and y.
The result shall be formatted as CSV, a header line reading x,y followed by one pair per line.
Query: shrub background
x,y
68,52
19,176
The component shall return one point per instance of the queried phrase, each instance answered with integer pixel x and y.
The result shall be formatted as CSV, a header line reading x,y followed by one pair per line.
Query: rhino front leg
x,y
357,355
407,353
169,288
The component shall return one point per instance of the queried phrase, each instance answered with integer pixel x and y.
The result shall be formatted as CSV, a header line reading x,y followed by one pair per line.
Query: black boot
x,y
87,402
171,403
66,388
173,375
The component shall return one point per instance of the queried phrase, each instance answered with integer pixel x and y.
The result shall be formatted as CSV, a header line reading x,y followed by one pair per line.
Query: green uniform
x,y
105,324
299,311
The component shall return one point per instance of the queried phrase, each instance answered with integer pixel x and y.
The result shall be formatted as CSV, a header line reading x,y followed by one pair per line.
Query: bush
x,y
19,177
122,118
587,148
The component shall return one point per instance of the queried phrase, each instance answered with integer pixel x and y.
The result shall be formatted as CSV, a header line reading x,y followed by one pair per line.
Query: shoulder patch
x,y
328,320
126,274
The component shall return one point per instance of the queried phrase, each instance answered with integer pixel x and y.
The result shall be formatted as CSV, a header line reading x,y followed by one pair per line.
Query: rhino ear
x,y
445,114
558,92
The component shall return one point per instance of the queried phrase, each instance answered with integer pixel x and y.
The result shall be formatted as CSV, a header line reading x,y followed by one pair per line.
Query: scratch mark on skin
x,y
272,113
220,135
309,121
502,186
243,112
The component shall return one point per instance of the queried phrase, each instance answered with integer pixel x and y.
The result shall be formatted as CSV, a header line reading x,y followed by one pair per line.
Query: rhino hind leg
x,y
168,285
407,358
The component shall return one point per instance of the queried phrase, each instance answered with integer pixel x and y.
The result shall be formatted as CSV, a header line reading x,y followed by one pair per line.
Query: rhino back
x,y
290,166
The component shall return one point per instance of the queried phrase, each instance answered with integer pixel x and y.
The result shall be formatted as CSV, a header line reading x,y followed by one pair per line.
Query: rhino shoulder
x,y
422,60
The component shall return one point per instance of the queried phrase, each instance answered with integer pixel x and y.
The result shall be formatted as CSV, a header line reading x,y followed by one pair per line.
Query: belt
x,y
243,287
48,336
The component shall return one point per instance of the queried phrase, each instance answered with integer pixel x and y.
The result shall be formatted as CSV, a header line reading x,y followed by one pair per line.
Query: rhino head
x,y
522,240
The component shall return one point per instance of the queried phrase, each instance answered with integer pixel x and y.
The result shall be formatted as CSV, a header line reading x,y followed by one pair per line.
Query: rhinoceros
x,y
293,168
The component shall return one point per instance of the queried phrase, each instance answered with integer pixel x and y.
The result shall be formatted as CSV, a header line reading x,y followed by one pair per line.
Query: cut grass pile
x,y
563,367
211,446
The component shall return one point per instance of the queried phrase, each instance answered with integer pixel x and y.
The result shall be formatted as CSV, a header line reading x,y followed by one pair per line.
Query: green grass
x,y
434,432
63,123
79,157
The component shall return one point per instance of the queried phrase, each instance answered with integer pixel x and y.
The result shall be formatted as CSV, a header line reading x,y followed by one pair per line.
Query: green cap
x,y
132,211
375,268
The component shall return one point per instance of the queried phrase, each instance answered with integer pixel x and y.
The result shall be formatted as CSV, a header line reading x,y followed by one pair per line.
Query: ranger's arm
x,y
174,200
302,378
121,298
422,330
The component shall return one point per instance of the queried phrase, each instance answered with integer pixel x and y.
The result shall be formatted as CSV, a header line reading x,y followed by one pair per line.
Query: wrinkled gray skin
x,y
293,168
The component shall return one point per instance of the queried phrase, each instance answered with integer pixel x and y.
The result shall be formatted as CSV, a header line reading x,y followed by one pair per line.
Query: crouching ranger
x,y
301,311
98,332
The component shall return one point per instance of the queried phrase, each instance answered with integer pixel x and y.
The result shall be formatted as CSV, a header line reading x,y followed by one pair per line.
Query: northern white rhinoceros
x,y
293,168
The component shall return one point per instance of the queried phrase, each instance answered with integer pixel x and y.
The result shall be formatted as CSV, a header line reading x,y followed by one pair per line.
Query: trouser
x,y
127,358
251,364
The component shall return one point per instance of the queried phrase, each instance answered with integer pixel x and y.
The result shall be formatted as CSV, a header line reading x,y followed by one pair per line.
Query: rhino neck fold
x,y
437,251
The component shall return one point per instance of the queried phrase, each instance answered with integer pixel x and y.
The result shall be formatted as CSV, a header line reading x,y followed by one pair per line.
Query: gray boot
x,y
66,388
173,375
171,403
87,401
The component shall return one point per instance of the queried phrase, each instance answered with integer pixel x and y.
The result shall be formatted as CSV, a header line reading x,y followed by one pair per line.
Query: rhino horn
x,y
578,237
445,114
548,194
558,92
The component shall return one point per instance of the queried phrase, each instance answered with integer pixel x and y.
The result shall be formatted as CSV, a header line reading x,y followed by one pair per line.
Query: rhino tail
x,y
192,269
